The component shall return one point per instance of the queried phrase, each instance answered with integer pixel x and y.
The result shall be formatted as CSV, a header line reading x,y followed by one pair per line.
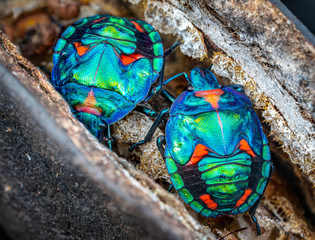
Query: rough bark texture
x,y
272,49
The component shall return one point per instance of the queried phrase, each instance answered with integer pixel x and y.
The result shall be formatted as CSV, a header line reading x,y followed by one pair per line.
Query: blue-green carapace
x,y
214,147
104,65
216,152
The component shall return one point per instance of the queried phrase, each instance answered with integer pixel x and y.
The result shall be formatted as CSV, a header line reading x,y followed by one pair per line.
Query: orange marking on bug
x,y
200,151
211,96
97,20
206,198
127,59
244,146
81,50
243,198
89,105
137,26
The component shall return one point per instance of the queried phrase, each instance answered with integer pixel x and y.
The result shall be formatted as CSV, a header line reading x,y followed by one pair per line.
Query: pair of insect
x,y
214,148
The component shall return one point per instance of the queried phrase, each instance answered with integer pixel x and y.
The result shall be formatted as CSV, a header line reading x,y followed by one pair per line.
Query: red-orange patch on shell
x,y
243,198
206,198
89,105
200,151
81,50
137,26
97,20
244,146
211,96
127,59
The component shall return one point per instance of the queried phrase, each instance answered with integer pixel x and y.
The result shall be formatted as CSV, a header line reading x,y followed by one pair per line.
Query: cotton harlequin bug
x,y
104,66
214,148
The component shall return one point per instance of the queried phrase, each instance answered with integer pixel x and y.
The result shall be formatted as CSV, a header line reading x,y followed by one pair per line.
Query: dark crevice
x,y
211,47
3,235
293,182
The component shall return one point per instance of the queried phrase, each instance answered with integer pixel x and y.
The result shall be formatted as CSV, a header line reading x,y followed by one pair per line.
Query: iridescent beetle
x,y
104,66
215,150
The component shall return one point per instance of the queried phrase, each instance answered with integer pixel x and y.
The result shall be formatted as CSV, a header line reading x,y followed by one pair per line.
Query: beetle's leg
x,y
106,136
272,169
176,76
237,87
160,142
254,220
254,207
147,111
171,49
151,131
157,89
170,188
166,95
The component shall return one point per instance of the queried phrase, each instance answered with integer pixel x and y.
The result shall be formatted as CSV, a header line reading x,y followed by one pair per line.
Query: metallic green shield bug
x,y
214,148
104,66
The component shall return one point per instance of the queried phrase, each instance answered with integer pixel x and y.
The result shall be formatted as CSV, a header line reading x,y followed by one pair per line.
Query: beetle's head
x,y
203,79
